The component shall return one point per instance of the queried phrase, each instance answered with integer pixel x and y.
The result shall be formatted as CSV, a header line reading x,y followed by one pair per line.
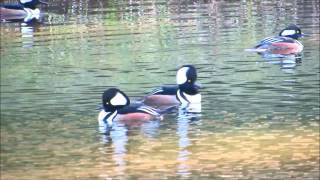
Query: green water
x,y
259,118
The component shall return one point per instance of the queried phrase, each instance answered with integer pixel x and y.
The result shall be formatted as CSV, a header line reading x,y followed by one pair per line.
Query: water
x,y
259,119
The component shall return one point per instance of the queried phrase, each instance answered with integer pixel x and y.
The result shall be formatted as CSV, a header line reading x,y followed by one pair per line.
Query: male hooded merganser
x,y
26,10
185,92
116,106
286,43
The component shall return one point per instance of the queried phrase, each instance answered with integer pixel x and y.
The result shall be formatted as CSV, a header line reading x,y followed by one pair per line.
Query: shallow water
x,y
259,118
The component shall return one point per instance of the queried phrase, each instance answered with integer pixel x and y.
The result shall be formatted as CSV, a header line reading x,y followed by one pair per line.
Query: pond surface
x,y
259,119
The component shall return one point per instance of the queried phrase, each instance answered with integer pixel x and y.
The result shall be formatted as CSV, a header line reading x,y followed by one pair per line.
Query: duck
x,y
25,10
185,92
285,43
116,106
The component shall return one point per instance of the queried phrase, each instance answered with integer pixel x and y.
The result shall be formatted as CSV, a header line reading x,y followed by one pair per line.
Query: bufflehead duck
x,y
116,106
286,43
185,92
26,10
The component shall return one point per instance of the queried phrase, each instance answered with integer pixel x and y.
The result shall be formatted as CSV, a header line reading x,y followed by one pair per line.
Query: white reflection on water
x,y
120,140
117,139
150,129
186,115
27,35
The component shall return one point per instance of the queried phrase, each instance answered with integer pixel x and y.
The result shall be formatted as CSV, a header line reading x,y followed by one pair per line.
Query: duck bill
x,y
197,85
305,35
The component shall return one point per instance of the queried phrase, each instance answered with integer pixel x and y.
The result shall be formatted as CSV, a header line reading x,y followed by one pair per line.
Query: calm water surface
x,y
259,119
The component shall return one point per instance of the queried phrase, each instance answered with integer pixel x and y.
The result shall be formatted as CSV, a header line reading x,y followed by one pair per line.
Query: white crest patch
x,y
288,32
25,1
118,100
182,75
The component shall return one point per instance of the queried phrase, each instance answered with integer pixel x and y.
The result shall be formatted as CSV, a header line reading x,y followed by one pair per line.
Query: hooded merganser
x,y
286,43
26,10
185,92
116,106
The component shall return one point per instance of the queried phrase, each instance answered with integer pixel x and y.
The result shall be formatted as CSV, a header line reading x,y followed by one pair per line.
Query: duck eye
x,y
189,80
107,103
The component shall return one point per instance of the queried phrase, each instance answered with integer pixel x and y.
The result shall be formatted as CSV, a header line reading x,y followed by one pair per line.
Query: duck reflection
x,y
117,140
27,33
150,129
186,115
287,63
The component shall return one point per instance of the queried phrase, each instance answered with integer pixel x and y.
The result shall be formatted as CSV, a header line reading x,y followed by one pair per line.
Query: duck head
x,y
292,31
114,99
186,78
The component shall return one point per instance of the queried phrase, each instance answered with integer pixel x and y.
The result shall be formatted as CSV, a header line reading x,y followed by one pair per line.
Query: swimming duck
x,y
185,92
116,106
285,43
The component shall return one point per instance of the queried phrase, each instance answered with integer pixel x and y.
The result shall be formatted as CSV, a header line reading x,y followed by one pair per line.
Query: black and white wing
x,y
138,107
165,90
274,39
149,110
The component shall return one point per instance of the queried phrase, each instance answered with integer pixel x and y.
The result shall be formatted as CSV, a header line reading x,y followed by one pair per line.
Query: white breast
x,y
300,48
194,99
103,114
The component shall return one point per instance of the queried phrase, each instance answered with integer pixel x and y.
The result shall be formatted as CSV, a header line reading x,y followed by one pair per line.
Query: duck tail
x,y
255,50
168,109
